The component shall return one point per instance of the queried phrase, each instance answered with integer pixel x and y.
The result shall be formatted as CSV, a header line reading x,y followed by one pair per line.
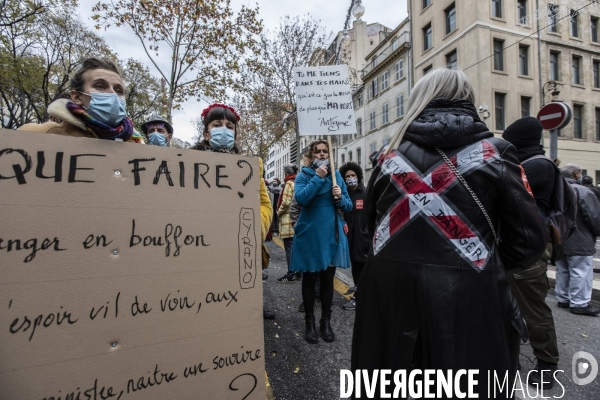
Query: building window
x,y
575,70
552,18
426,3
343,159
386,141
522,11
360,100
399,69
370,92
427,37
450,18
596,73
359,127
373,88
358,156
384,81
373,121
400,106
374,62
525,106
523,60
577,127
349,156
594,29
395,44
452,60
574,23
598,124
554,63
497,8
499,55
385,114
427,69
499,100
372,147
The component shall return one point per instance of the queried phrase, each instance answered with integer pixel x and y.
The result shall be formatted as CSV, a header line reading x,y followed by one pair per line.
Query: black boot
x,y
325,325
535,377
311,330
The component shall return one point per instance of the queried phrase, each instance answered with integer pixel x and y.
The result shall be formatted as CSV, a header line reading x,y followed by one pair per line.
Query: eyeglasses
x,y
322,151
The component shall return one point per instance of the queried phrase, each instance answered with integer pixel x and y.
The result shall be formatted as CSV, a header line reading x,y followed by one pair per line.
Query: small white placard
x,y
324,100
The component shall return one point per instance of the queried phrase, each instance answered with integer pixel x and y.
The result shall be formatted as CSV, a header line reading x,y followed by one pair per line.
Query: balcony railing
x,y
383,55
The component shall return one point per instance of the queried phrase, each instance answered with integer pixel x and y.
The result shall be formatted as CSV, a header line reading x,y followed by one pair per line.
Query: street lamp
x,y
552,87
359,10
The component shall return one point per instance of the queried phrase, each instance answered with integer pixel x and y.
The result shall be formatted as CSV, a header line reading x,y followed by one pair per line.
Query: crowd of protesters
x,y
452,218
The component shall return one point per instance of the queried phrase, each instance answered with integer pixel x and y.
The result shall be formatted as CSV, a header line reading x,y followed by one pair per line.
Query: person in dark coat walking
x,y
434,293
359,240
575,270
531,285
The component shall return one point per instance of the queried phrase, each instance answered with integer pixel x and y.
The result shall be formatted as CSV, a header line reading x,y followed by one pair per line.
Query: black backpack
x,y
562,211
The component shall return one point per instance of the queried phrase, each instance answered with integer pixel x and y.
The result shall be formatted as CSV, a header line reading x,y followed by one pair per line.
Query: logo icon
x,y
581,367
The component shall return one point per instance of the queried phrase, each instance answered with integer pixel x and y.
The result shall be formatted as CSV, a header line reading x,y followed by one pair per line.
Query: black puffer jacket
x,y
433,292
359,239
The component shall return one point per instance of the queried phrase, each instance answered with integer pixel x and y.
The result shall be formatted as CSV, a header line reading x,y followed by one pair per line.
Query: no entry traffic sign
x,y
554,115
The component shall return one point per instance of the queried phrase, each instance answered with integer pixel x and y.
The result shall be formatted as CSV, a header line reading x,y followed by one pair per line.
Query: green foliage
x,y
40,51
144,96
205,41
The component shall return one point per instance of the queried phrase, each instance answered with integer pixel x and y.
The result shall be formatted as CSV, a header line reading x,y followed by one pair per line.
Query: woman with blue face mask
x,y
220,124
220,127
96,107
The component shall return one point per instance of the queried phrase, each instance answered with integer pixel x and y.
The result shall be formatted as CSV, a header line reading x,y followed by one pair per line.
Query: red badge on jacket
x,y
359,204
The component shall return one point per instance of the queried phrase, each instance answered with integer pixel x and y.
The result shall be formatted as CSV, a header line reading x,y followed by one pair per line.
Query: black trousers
x,y
309,279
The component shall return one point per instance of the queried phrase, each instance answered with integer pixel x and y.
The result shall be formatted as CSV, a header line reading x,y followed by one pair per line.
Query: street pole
x,y
539,48
554,144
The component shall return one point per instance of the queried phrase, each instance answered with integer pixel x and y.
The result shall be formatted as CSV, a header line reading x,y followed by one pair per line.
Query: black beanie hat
x,y
524,132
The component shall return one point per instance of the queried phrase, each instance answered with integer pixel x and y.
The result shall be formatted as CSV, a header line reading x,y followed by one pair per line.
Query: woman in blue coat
x,y
320,243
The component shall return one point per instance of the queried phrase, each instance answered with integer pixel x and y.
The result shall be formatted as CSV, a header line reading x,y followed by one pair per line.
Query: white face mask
x,y
352,181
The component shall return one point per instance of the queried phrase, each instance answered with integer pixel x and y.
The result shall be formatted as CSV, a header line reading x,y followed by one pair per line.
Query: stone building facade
x,y
495,42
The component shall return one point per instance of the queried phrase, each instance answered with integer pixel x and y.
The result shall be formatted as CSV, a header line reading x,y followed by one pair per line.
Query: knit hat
x,y
524,132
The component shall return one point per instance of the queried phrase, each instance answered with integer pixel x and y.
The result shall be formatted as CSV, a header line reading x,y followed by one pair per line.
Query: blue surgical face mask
x,y
352,181
107,108
157,139
222,138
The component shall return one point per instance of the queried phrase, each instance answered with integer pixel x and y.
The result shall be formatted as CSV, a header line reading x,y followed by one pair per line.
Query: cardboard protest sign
x,y
128,271
324,100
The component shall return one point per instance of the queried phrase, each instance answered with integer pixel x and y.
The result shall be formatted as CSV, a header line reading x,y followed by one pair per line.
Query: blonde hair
x,y
446,83
308,155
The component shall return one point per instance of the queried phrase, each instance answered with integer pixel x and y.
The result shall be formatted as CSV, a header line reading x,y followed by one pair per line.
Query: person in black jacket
x,y
433,292
531,285
574,271
356,220
588,182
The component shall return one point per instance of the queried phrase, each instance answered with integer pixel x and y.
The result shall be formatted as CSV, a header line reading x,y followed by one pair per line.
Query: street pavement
x,y
299,370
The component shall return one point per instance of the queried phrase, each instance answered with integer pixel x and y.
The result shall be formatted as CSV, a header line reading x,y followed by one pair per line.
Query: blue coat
x,y
315,247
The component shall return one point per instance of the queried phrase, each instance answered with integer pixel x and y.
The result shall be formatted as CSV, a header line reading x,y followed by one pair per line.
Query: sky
x,y
331,13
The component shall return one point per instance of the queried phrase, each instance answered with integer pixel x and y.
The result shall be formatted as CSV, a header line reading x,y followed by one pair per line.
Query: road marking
x,y
278,242
551,116
270,394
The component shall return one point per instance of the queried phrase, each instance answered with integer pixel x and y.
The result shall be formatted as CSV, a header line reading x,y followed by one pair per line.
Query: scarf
x,y
122,131
286,180
527,152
